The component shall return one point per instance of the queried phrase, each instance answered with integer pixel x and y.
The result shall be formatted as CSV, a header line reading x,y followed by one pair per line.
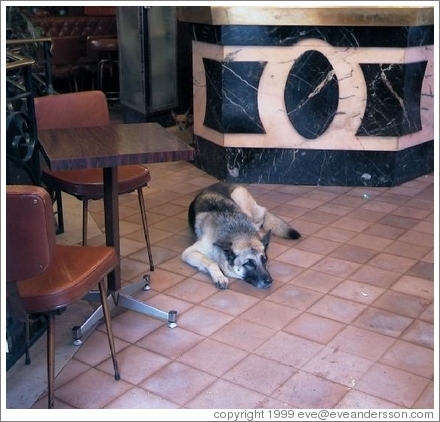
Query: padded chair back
x,y
30,232
75,109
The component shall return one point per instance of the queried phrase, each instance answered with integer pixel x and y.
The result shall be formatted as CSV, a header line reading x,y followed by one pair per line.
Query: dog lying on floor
x,y
226,222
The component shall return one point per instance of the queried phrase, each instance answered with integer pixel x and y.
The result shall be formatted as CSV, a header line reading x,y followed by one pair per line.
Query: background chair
x,y
81,109
43,277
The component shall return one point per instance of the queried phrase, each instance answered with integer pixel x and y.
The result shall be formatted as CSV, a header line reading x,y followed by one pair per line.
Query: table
x,y
108,147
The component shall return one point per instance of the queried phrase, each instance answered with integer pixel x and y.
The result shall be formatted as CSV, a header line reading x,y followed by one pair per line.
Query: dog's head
x,y
182,120
247,259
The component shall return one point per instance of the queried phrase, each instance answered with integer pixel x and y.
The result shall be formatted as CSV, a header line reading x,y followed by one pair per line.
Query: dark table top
x,y
111,145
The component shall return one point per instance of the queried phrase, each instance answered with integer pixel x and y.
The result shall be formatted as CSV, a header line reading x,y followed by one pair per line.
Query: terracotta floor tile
x,y
320,217
170,342
226,395
384,230
243,334
315,328
338,366
361,342
191,290
359,400
408,250
131,326
335,234
402,304
282,271
348,322
376,276
306,227
85,391
376,243
288,349
308,391
177,382
358,292
366,215
96,349
351,224
318,245
411,358
392,262
428,314
294,296
300,258
270,314
213,357
135,363
426,399
423,270
202,320
336,266
259,374
383,322
392,384
354,253
337,309
421,333
138,398
316,280
229,302
399,221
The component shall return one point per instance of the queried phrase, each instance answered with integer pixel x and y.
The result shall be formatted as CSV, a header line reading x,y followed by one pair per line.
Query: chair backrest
x,y
73,109
30,231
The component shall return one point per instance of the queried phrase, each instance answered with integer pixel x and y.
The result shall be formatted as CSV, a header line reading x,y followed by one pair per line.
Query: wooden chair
x,y
42,277
81,109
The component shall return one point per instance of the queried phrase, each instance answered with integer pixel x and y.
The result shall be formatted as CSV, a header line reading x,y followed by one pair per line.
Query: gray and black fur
x,y
226,222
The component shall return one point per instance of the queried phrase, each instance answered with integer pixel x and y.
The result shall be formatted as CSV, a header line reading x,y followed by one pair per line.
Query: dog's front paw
x,y
221,282
218,278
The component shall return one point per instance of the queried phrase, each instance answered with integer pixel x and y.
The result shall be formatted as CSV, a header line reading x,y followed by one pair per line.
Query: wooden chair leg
x,y
27,342
107,317
85,221
145,224
51,360
60,216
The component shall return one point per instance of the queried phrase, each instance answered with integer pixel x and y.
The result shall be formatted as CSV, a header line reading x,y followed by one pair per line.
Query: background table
x,y
108,147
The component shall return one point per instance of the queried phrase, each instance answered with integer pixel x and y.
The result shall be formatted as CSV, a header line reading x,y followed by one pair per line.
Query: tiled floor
x,y
348,322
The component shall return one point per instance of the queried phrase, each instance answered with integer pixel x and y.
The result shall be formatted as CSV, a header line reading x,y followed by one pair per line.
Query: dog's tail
x,y
279,227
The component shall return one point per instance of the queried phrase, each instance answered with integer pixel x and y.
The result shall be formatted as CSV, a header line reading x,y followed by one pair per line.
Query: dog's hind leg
x,y
248,205
197,259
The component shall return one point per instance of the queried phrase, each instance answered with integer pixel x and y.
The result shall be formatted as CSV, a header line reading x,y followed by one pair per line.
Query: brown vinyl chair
x,y
81,109
42,277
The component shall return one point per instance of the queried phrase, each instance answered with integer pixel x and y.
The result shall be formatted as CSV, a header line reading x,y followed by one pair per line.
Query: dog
x,y
184,127
183,120
232,233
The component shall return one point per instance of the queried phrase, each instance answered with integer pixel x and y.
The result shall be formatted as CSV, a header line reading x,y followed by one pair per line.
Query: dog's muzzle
x,y
260,280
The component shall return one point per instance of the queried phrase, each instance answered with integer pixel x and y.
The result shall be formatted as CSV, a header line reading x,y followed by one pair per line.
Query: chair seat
x,y
74,270
88,183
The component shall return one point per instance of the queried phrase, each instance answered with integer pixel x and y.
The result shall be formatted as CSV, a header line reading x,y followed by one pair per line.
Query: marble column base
x,y
314,167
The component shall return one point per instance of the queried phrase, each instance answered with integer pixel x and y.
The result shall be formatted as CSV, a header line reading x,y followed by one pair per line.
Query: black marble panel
x,y
347,36
393,99
311,95
314,167
231,96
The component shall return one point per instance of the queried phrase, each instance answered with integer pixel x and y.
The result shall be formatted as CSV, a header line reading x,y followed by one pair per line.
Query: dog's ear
x,y
226,246
266,239
173,114
223,244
